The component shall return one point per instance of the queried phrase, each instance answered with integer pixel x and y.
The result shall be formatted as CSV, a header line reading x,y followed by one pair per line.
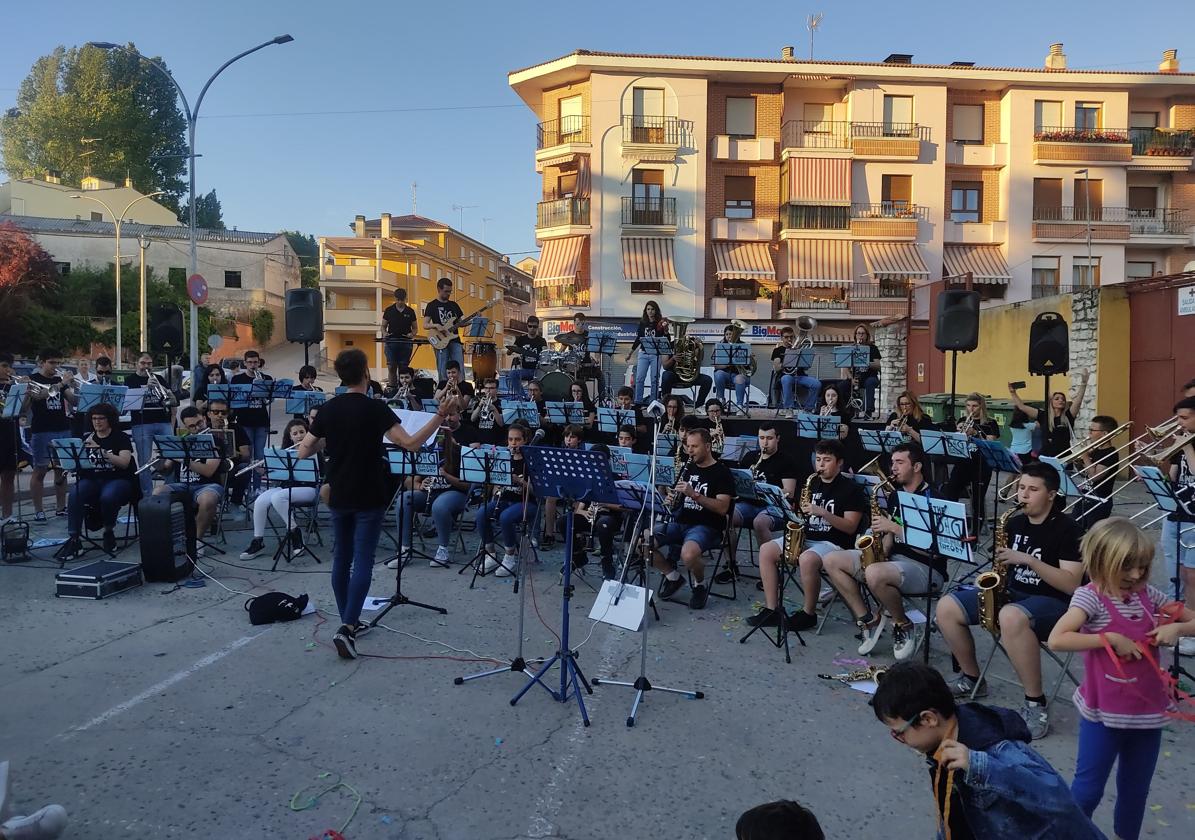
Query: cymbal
x,y
568,339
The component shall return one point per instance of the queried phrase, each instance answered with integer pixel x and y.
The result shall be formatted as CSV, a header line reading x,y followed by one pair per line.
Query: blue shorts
x,y
41,446
748,511
197,490
678,533
1042,610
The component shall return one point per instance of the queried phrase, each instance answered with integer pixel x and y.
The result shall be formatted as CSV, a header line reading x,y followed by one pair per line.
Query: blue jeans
x,y
510,515
143,439
111,495
1042,611
446,506
871,384
724,379
746,512
354,540
259,438
1135,752
515,377
1170,547
454,351
647,374
675,534
790,381
398,355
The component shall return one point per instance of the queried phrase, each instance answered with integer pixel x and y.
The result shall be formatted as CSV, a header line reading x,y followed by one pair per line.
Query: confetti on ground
x,y
497,742
1155,808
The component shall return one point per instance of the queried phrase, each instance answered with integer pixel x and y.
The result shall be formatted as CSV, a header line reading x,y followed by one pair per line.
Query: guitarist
x,y
527,348
436,315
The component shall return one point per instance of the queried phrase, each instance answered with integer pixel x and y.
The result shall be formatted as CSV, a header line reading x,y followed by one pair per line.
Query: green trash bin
x,y
935,405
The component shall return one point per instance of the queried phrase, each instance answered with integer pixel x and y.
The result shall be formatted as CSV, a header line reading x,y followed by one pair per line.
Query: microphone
x,y
656,409
537,437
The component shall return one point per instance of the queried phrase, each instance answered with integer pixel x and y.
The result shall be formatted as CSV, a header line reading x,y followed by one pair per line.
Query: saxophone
x,y
718,436
794,532
992,584
871,546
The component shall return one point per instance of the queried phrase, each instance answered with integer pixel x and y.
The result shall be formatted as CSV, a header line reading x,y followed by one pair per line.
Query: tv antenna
x,y
86,155
414,198
812,23
461,208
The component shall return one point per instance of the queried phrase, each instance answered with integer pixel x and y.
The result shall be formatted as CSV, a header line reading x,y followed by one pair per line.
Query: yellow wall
x,y
1112,395
1003,354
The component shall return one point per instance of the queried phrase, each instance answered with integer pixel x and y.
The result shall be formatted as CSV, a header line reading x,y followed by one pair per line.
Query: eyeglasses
x,y
899,732
217,411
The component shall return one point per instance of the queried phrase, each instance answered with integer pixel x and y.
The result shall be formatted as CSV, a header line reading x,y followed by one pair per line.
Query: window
x,y
97,216
896,191
1087,116
1045,276
1047,198
232,279
472,290
462,252
572,119
966,199
471,256
1089,199
740,197
1083,274
816,116
425,271
566,186
1142,126
968,124
819,217
1136,269
898,116
1047,115
740,116
460,282
493,267
1143,201
64,269
647,121
647,191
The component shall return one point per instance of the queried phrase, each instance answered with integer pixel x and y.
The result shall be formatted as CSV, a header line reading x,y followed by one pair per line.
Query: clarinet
x,y
675,500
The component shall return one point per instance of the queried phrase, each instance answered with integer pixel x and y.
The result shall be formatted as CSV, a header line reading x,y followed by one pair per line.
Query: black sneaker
x,y
668,588
608,570
109,541
296,542
764,618
699,597
727,575
346,642
801,620
361,629
256,546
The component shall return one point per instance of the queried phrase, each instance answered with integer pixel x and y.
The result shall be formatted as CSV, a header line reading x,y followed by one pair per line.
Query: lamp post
x,y
1089,277
143,244
192,115
117,221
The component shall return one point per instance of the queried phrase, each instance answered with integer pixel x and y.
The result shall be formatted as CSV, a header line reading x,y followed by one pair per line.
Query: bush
x,y
262,322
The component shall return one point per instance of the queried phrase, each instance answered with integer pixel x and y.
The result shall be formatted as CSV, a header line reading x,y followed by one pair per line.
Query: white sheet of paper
x,y
916,616
627,613
374,603
866,686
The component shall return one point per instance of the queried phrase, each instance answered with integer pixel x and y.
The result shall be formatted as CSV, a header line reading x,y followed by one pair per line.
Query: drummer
x,y
588,371
527,350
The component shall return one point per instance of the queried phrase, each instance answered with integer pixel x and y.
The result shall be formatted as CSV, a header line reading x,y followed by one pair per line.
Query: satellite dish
x,y
215,340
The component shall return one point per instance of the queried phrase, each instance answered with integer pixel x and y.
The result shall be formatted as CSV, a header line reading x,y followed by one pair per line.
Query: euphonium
x,y
686,350
871,546
794,532
992,585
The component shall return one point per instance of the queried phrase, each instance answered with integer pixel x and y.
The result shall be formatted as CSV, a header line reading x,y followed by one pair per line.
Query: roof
x,y
412,221
82,227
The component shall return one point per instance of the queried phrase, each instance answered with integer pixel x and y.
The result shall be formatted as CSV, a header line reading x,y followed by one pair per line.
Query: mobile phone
x,y
1016,386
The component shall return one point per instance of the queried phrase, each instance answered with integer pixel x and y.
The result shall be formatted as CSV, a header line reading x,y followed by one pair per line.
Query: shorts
x,y
1042,610
197,490
1185,545
819,547
678,533
748,511
41,446
916,577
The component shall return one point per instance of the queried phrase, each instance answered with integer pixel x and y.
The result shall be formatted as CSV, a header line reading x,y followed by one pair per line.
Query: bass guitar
x,y
440,336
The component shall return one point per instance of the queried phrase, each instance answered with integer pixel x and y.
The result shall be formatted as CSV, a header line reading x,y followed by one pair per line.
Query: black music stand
x,y
513,412
92,394
855,358
285,465
70,455
777,504
735,353
795,359
183,448
999,459
938,527
602,345
817,426
300,402
490,467
660,346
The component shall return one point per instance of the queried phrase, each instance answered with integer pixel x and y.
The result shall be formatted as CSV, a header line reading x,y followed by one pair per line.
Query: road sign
x,y
197,289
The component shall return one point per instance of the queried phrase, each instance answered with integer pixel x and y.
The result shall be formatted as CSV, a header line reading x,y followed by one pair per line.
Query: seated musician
x,y
728,376
704,489
486,415
508,508
281,498
444,496
791,377
578,394
453,383
669,380
910,418
535,394
1096,474
307,376
109,486
628,437
1043,567
770,466
573,438
526,350
833,514
203,478
405,396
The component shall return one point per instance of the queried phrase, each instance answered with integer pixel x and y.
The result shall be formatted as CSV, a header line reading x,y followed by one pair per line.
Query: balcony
x,y
354,317
975,233
751,149
561,297
516,294
886,220
561,217
1112,224
354,275
516,325
742,230
991,155
654,212
885,299
822,217
550,135
815,135
876,300
888,141
651,138
1069,145
1039,290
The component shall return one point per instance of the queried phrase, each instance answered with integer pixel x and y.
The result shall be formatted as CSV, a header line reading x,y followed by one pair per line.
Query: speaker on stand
x,y
166,334
304,318
1049,348
957,329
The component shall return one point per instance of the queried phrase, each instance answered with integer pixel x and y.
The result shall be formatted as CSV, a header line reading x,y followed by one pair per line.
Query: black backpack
x,y
275,606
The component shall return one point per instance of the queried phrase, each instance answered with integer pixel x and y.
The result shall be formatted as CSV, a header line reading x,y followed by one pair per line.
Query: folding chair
x,y
719,555
1063,664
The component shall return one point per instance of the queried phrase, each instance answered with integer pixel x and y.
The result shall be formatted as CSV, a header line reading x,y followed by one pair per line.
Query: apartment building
x,y
765,189
359,273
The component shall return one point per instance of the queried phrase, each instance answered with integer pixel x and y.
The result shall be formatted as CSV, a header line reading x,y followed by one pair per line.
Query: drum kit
x,y
559,369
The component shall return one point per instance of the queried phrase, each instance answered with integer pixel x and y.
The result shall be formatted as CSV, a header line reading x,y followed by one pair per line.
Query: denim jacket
x,y
1009,790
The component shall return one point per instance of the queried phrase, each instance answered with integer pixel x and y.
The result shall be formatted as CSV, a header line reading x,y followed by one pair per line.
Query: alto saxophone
x,y
871,546
794,532
992,585
718,436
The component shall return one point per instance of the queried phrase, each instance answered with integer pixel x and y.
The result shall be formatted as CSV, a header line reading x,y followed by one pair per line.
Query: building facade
x,y
764,190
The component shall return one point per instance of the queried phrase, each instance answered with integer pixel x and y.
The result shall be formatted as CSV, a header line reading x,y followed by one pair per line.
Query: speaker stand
x,y
954,382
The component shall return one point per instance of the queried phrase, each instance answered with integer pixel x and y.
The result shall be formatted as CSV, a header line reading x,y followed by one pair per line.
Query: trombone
x,y
1172,450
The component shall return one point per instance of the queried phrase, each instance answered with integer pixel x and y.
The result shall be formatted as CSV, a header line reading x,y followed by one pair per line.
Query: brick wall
x,y
552,97
989,210
1182,191
1183,115
990,100
1080,152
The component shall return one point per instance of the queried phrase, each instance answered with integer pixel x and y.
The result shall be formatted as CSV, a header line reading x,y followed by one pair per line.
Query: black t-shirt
x,y
352,425
1057,441
49,415
1105,463
1056,538
925,423
488,428
514,493
771,470
529,360
228,452
442,312
116,442
938,563
873,355
711,481
257,415
155,409
466,388
398,324
779,353
7,434
839,497
1184,488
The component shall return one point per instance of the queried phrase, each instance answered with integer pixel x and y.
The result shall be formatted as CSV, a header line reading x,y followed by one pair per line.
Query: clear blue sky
x,y
372,95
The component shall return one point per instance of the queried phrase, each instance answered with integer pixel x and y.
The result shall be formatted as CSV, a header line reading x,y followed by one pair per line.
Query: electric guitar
x,y
440,336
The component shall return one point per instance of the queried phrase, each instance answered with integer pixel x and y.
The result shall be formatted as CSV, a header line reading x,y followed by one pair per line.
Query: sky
x,y
371,97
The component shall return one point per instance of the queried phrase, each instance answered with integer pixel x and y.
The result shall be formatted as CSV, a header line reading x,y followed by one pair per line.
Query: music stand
x,y
602,343
999,459
610,420
659,346
744,485
666,443
950,446
1067,486
92,394
817,426
300,402
490,467
183,448
528,412
776,505
285,466
562,413
732,353
134,400
882,441
236,395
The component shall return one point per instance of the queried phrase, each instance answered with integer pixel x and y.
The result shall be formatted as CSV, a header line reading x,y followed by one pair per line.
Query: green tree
x,y
307,249
262,321
126,109
208,212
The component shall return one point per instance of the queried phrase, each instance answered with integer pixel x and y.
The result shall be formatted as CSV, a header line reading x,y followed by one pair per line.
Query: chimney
x,y
128,183
52,176
1056,60
1169,62
786,54
385,225
359,226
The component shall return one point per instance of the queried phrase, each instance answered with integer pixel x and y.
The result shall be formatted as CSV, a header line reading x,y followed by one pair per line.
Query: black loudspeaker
x,y
958,321
1049,345
168,539
304,315
166,330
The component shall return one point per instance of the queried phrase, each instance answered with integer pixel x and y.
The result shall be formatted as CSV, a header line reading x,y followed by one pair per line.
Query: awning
x,y
819,181
819,262
893,260
648,259
985,262
559,160
744,261
558,260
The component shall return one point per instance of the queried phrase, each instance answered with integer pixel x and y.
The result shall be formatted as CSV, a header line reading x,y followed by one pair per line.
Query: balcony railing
x,y
643,128
516,325
1162,143
549,297
516,295
879,299
562,211
1070,134
889,129
1040,290
818,217
1142,222
888,210
573,129
649,210
815,134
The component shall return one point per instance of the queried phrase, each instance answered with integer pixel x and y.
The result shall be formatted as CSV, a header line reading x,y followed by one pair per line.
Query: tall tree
x,y
25,268
307,249
126,109
208,212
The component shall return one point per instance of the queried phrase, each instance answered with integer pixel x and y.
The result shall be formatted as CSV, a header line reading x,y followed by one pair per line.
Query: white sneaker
x,y
403,557
510,563
826,595
1186,646
490,564
872,635
440,561
906,640
46,824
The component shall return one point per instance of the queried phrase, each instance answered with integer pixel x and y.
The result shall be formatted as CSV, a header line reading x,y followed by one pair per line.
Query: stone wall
x,y
1084,344
893,343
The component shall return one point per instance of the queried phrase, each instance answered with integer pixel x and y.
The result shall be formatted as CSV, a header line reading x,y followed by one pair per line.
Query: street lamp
x,y
192,115
1089,277
118,220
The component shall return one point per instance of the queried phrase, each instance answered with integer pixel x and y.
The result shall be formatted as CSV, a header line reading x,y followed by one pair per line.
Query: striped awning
x,y
893,260
559,160
985,262
648,259
743,261
819,181
819,262
558,260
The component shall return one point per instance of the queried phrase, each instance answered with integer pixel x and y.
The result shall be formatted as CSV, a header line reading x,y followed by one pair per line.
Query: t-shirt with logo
x,y
711,481
934,559
257,414
155,409
49,415
399,323
441,312
779,353
839,497
352,425
1054,539
116,442
774,469
227,450
534,346
487,424
1184,488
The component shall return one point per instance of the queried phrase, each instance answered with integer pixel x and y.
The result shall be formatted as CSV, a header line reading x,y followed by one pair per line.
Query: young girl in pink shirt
x,y
1117,620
